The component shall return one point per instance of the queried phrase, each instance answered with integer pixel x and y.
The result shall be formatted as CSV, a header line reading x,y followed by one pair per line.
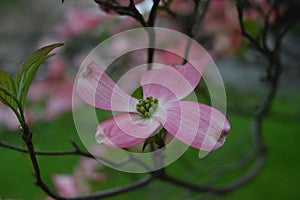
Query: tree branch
x,y
124,10
197,19
151,33
252,41
27,137
47,153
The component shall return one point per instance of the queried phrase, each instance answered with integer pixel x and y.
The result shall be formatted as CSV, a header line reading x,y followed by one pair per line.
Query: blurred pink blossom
x,y
9,120
121,24
227,44
65,184
264,5
78,21
70,185
221,23
221,16
54,92
182,6
87,171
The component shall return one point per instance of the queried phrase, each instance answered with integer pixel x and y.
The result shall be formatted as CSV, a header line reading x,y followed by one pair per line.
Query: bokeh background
x,y
28,25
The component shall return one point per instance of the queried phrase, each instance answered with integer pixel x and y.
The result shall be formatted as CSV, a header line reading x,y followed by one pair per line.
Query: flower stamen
x,y
146,107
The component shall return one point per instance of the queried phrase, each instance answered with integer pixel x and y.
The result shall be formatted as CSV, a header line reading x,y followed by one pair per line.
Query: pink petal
x,y
156,81
162,93
192,70
87,169
97,89
197,125
125,130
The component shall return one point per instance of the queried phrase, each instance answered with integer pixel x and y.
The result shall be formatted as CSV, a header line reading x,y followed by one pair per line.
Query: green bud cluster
x,y
147,106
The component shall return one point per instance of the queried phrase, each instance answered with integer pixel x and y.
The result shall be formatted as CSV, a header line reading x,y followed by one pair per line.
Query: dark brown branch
x,y
188,185
190,30
197,19
252,41
166,7
132,11
151,33
138,16
274,65
118,190
110,192
76,152
47,153
153,13
284,32
267,26
259,162
27,137
123,10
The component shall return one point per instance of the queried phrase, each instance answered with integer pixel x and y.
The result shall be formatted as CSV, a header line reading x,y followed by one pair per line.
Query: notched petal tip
x,y
101,138
223,136
87,69
84,72
226,128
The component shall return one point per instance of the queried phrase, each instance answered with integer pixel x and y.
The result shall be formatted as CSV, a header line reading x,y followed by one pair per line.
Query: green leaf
x,y
8,94
27,71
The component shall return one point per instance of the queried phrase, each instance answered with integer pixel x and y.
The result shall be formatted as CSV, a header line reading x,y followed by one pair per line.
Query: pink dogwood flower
x,y
195,124
78,21
85,173
65,184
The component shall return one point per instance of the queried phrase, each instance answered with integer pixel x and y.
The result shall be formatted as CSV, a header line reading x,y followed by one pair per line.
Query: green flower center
x,y
146,107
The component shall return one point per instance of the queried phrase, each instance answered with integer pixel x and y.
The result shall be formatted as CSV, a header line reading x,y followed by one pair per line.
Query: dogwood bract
x,y
195,124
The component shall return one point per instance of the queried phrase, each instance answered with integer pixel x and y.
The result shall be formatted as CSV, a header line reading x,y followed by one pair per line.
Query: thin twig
x,y
198,18
266,26
246,34
123,10
190,31
27,137
151,33
166,7
47,153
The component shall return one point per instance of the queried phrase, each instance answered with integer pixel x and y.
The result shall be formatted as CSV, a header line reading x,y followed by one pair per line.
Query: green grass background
x,y
278,179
